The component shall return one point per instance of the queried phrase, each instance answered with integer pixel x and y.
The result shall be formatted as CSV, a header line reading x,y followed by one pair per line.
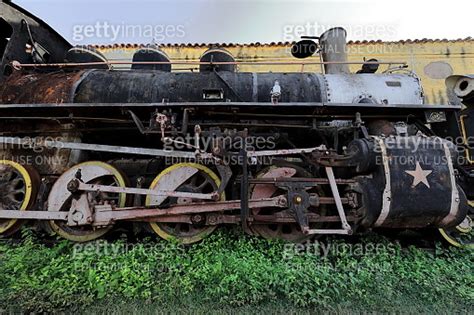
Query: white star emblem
x,y
419,176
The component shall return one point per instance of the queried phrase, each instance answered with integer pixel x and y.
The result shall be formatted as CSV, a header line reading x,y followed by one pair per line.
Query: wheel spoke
x,y
15,194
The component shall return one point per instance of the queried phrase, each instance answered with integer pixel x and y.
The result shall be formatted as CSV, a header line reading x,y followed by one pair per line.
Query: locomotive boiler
x,y
86,147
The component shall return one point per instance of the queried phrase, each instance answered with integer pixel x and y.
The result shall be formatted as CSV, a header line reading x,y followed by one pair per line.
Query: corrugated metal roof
x,y
257,44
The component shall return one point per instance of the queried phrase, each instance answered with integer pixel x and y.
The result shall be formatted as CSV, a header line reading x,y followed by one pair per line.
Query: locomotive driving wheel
x,y
290,232
93,172
18,188
462,235
183,177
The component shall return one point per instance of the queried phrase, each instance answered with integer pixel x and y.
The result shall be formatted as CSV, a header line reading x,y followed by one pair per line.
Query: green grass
x,y
230,272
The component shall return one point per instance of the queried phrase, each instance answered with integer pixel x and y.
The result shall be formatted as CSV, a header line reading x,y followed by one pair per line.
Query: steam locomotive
x,y
86,147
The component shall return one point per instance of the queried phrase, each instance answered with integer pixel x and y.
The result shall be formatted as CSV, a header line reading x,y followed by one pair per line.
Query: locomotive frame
x,y
333,168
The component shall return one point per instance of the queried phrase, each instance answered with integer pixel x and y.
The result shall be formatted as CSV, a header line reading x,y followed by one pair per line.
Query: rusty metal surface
x,y
147,86
52,88
299,179
265,190
107,214
46,160
416,200
142,191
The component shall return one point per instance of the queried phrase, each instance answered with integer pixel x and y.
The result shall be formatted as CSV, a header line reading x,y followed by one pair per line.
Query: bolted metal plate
x,y
267,190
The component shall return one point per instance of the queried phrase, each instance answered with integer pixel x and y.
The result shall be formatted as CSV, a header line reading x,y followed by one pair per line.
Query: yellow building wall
x,y
432,61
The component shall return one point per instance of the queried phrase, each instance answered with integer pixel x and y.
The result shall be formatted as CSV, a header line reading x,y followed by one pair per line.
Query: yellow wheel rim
x,y
28,193
458,230
99,232
156,227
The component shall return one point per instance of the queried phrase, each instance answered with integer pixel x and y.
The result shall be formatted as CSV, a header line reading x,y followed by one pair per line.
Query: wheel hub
x,y
12,188
60,198
290,232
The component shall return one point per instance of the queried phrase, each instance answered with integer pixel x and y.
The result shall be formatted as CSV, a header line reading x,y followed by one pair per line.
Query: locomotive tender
x,y
285,155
